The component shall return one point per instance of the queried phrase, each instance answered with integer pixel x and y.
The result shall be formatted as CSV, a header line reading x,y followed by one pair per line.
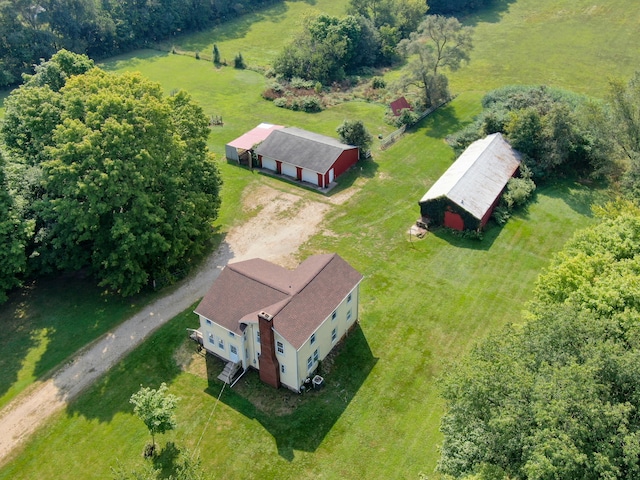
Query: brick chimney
x,y
268,363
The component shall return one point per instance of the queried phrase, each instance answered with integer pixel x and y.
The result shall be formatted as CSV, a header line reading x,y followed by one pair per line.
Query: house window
x,y
334,315
211,340
208,321
313,338
283,369
316,356
220,343
280,346
309,363
258,336
232,335
349,298
334,335
349,315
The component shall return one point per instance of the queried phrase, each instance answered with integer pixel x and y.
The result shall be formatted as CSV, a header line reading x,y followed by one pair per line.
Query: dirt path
x,y
283,223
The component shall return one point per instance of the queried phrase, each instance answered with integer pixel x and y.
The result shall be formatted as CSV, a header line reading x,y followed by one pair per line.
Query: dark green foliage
x,y
99,29
402,15
328,48
304,103
448,7
623,125
238,62
378,82
406,117
558,397
556,130
216,55
517,194
13,238
123,183
353,132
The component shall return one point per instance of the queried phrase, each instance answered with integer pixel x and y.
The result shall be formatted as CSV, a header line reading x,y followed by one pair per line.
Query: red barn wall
x,y
344,162
453,220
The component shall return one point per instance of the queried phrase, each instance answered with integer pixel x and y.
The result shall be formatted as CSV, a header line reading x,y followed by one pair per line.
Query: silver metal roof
x,y
478,176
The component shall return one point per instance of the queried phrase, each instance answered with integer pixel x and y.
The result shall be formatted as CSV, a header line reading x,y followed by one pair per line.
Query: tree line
x,y
32,30
559,395
102,172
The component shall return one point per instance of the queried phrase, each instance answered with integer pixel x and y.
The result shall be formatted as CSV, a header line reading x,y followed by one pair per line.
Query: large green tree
x,y
438,42
13,238
128,187
559,396
328,48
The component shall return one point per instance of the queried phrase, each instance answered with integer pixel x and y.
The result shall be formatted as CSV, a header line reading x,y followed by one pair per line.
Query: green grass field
x,y
424,302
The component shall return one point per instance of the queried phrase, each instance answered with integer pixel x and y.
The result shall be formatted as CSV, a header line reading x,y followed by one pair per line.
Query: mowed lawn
x,y
424,302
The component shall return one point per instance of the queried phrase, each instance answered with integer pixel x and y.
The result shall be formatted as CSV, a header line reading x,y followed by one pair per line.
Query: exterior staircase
x,y
229,372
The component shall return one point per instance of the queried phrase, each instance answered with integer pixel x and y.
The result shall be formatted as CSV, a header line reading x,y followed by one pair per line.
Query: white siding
x,y
309,176
290,170
269,163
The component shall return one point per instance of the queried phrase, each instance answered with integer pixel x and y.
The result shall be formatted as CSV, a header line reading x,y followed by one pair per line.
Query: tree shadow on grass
x,y
132,60
300,421
233,29
492,14
580,197
440,123
49,319
148,365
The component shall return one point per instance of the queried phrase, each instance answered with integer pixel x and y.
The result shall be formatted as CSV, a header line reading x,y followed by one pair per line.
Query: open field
x,y
423,302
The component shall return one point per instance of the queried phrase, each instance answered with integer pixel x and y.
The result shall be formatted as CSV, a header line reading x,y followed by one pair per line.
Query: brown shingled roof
x,y
299,300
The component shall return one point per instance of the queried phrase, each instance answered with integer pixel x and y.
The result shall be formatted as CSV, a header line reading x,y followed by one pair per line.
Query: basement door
x,y
233,355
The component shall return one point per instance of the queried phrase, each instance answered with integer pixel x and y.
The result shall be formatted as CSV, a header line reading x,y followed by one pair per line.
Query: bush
x,y
406,117
280,102
378,82
197,55
238,62
311,104
297,82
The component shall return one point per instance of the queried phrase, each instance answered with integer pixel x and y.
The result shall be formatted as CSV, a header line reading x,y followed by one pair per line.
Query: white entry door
x,y
233,355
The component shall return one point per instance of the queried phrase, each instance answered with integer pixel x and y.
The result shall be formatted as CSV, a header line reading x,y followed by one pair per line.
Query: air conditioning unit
x,y
318,382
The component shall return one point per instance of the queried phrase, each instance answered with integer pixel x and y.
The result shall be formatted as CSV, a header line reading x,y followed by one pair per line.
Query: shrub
x,y
406,117
197,55
311,104
297,82
238,62
280,102
378,82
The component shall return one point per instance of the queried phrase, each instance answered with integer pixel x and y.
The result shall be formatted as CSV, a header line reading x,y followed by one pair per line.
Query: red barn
x,y
306,156
464,197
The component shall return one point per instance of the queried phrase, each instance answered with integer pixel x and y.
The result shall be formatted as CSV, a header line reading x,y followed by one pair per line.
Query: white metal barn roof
x,y
478,176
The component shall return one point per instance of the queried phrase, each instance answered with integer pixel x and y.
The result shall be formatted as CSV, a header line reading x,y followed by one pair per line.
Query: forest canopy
x,y
30,31
107,174
558,397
